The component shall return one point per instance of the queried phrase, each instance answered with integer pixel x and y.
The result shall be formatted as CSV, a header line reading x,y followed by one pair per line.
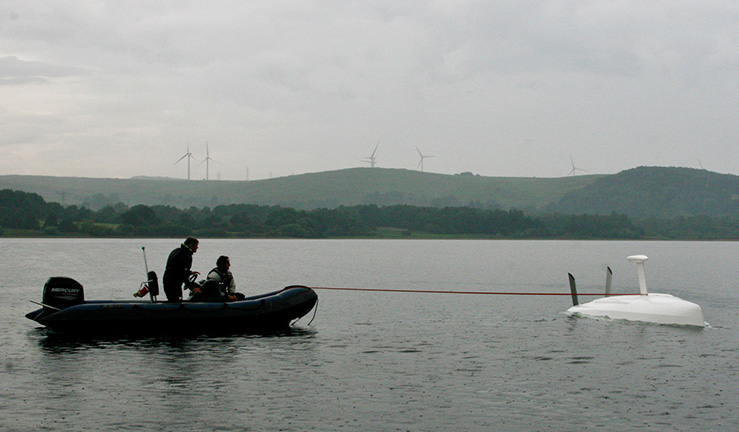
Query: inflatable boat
x,y
64,309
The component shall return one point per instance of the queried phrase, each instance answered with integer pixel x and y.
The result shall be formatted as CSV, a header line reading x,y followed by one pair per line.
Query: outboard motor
x,y
62,292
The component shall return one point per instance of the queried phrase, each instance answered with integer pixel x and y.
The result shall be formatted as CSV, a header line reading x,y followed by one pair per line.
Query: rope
x,y
461,292
315,311
315,308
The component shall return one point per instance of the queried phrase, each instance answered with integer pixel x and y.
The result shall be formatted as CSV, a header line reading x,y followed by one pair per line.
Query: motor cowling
x,y
62,292
153,283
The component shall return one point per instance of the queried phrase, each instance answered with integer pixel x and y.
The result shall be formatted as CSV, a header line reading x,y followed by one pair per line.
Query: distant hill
x,y
644,191
656,191
328,189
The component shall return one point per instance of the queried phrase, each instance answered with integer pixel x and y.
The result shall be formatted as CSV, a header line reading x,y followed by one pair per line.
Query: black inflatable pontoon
x,y
64,309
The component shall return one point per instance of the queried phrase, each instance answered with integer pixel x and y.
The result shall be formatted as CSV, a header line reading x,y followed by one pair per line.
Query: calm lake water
x,y
376,361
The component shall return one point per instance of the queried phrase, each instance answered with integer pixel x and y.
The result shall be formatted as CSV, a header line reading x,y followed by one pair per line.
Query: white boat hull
x,y
652,308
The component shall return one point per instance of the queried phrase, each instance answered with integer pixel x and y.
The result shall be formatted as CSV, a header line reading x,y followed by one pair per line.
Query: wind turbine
x,y
371,158
420,163
708,179
189,156
207,162
574,169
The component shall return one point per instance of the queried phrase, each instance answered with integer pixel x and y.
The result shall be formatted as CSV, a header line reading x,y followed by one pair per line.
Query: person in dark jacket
x,y
178,270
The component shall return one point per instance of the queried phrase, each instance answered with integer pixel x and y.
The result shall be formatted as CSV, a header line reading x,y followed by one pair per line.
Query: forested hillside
x,y
654,191
639,192
330,189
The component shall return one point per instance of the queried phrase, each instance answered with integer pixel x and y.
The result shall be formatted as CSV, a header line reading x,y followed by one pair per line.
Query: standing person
x,y
178,270
225,279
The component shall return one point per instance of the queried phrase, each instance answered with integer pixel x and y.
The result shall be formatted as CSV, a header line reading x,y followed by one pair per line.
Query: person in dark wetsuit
x,y
178,270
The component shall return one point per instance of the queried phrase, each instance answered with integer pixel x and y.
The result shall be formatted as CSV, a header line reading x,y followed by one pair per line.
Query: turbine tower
x,y
574,168
371,158
420,163
207,162
189,156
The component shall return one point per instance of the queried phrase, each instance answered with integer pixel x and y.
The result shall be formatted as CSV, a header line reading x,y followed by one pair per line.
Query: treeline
x,y
24,213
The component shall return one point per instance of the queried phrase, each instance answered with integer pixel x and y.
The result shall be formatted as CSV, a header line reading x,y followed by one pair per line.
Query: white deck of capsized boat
x,y
654,307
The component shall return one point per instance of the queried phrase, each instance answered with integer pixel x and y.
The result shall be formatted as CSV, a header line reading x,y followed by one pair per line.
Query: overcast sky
x,y
497,88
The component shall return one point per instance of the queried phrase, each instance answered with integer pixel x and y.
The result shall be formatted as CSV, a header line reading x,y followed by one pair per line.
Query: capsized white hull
x,y
653,308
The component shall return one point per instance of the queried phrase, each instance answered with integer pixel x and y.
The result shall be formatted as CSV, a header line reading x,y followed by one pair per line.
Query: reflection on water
x,y
56,343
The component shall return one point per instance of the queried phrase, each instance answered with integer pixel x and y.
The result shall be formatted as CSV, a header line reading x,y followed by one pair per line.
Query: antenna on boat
x,y
146,265
639,260
609,277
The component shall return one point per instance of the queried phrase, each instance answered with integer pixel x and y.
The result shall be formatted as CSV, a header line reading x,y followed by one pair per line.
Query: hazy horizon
x,y
338,169
109,89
